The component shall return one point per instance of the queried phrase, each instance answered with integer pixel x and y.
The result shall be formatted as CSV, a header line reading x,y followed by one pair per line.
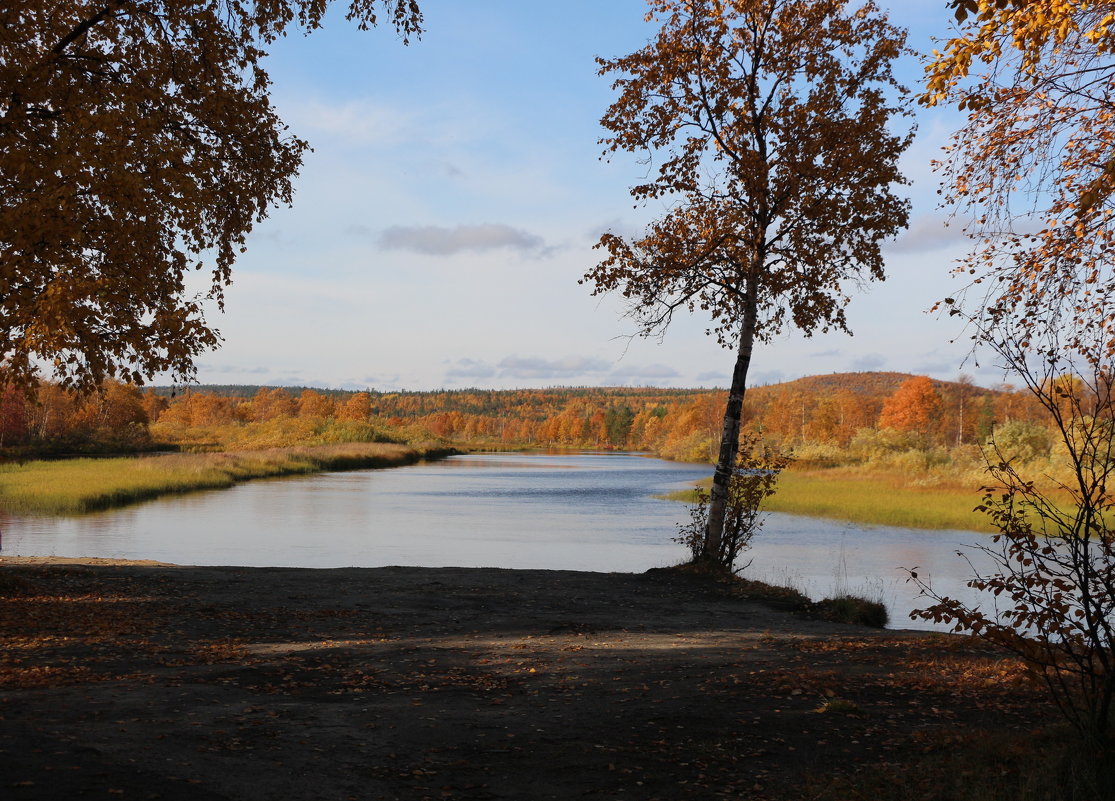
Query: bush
x,y
820,454
871,445
851,609
1051,567
752,482
1020,441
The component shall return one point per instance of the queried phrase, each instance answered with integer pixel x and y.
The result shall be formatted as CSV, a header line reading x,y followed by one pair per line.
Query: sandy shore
x,y
145,680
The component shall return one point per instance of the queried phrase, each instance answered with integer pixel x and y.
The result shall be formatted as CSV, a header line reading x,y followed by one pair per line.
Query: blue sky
x,y
452,201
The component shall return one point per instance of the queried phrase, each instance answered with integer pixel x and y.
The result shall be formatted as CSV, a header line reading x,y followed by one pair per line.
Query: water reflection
x,y
588,511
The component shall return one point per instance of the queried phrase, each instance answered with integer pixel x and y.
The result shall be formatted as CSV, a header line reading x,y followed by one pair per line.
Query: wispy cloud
x,y
869,362
929,232
232,368
766,377
469,368
382,380
539,368
644,371
620,227
359,121
289,380
435,240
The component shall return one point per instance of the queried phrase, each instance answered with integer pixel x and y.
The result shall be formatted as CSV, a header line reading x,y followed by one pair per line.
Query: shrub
x,y
1020,441
757,467
852,609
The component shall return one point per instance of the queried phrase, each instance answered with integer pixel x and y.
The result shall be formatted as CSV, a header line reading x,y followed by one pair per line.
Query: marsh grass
x,y
872,499
281,432
879,500
73,486
852,609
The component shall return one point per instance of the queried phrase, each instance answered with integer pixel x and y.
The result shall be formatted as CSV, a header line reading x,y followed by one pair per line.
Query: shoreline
x,y
77,486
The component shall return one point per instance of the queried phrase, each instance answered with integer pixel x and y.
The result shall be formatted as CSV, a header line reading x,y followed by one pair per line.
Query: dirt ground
x,y
150,681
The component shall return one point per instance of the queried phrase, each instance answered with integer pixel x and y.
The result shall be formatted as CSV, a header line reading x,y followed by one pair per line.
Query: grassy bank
x,y
872,499
73,486
878,500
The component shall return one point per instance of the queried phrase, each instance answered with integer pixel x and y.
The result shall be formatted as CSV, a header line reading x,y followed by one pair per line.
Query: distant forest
x,y
818,417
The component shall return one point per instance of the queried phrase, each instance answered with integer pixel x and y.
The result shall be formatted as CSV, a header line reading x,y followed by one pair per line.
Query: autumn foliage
x,y
1033,167
138,143
912,407
823,419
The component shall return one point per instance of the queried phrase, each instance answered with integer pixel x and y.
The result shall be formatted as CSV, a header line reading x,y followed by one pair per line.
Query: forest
x,y
887,419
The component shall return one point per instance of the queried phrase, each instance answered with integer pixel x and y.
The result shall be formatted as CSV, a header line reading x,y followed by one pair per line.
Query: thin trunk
x,y
960,428
729,440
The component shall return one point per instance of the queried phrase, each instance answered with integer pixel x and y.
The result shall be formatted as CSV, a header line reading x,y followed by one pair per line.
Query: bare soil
x,y
150,681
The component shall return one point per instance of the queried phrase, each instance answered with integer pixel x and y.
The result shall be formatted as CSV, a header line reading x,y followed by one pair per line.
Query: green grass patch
x,y
878,501
73,486
871,499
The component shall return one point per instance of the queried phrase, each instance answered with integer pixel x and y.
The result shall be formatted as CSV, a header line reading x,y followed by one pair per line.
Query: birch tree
x,y
773,129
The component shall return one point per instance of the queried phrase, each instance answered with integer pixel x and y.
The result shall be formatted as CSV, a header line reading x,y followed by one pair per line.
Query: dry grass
x,y
73,486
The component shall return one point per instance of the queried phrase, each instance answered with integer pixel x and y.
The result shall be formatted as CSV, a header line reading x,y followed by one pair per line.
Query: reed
x,y
74,486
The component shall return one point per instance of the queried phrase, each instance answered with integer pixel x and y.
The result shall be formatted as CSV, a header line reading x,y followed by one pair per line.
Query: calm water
x,y
590,511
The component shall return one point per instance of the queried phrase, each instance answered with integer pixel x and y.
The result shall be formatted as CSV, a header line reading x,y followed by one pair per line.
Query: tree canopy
x,y
912,407
137,144
1033,168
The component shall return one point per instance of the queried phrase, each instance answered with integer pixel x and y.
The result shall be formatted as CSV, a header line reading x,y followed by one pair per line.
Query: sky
x,y
452,200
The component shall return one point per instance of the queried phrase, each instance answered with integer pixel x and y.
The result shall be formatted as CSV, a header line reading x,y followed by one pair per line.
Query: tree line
x,y
821,418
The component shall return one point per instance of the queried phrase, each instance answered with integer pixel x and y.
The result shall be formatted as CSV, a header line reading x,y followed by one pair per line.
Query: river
x,y
584,511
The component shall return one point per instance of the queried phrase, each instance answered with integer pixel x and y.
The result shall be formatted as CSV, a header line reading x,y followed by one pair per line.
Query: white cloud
x,y
385,380
625,228
764,378
232,368
435,240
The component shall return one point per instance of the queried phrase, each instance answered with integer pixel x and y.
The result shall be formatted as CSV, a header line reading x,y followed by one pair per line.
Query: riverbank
x,y
73,486
223,684
871,499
